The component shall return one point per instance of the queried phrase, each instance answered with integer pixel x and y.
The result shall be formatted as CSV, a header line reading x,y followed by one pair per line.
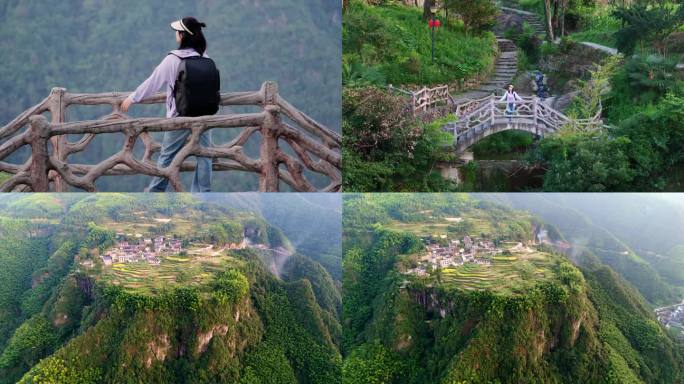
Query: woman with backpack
x,y
510,97
192,44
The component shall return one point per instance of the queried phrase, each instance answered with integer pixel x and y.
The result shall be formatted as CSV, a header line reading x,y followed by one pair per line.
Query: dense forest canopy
x,y
104,46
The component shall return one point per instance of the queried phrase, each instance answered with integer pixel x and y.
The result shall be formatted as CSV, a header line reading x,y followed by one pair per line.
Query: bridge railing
x,y
313,147
425,98
489,112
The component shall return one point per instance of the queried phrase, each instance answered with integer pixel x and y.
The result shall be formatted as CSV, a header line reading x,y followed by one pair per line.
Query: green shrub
x,y
527,41
477,15
386,149
230,286
645,79
390,43
582,162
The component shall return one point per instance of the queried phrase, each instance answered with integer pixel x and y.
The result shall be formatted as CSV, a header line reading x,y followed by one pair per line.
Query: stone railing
x,y
314,147
423,100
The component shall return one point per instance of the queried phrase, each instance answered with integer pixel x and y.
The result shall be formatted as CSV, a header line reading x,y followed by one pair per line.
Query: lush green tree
x,y
32,340
585,162
477,15
372,364
385,148
230,286
644,79
57,371
647,22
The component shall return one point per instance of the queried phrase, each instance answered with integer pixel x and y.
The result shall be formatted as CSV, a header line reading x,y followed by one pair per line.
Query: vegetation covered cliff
x,y
211,312
546,321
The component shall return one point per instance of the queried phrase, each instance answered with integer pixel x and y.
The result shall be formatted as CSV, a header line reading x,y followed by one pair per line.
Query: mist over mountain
x,y
638,235
311,221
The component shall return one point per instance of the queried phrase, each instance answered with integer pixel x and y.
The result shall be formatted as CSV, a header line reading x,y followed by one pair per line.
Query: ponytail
x,y
195,40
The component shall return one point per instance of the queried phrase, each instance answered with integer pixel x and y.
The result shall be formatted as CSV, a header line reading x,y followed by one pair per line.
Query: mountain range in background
x,y
637,235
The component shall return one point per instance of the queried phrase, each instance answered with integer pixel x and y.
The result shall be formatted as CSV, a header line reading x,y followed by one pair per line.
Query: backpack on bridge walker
x,y
197,90
540,83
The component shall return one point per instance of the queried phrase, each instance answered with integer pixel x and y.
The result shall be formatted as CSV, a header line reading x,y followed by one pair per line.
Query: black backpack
x,y
197,88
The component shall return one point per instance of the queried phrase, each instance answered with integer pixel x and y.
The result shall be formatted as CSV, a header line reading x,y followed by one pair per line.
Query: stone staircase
x,y
505,70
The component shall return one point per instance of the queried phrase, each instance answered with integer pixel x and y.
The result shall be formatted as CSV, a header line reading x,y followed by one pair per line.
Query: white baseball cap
x,y
179,26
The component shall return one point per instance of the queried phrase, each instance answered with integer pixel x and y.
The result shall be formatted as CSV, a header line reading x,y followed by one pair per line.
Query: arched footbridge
x,y
478,119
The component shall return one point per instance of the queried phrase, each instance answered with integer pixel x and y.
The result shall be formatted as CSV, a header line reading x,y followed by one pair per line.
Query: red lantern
x,y
431,23
438,23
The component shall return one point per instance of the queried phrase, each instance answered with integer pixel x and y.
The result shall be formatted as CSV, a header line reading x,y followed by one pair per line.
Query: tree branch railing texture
x,y
425,98
314,147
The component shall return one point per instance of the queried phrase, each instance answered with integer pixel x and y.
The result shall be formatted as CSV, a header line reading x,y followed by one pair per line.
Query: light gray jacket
x,y
165,74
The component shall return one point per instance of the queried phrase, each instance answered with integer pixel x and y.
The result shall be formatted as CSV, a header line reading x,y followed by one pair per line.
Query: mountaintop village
x,y
672,317
150,249
471,249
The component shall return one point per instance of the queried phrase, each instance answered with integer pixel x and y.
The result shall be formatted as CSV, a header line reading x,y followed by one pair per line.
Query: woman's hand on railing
x,y
126,104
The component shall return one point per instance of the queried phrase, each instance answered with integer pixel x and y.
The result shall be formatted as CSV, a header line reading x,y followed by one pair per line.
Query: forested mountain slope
x,y
234,304
639,236
544,321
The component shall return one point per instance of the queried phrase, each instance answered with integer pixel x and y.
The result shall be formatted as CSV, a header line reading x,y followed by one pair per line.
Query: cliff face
x,y
459,336
547,321
216,316
188,337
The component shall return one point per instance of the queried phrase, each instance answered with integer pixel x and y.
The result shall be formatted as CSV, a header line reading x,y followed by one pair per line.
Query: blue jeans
x,y
510,110
171,145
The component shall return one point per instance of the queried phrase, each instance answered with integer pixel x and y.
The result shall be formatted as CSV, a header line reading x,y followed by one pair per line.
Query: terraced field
x,y
176,225
507,274
145,278
441,226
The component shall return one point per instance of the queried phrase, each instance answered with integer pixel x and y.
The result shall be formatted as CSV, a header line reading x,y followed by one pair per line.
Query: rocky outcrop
x,y
158,349
203,338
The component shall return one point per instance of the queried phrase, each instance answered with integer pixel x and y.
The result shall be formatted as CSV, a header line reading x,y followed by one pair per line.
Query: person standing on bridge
x,y
192,44
510,97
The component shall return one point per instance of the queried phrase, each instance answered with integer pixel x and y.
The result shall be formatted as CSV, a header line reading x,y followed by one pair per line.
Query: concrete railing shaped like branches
x,y
425,98
314,147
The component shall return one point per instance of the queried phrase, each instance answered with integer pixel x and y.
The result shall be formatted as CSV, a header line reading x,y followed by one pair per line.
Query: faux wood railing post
x,y
493,107
39,134
56,105
269,179
534,112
